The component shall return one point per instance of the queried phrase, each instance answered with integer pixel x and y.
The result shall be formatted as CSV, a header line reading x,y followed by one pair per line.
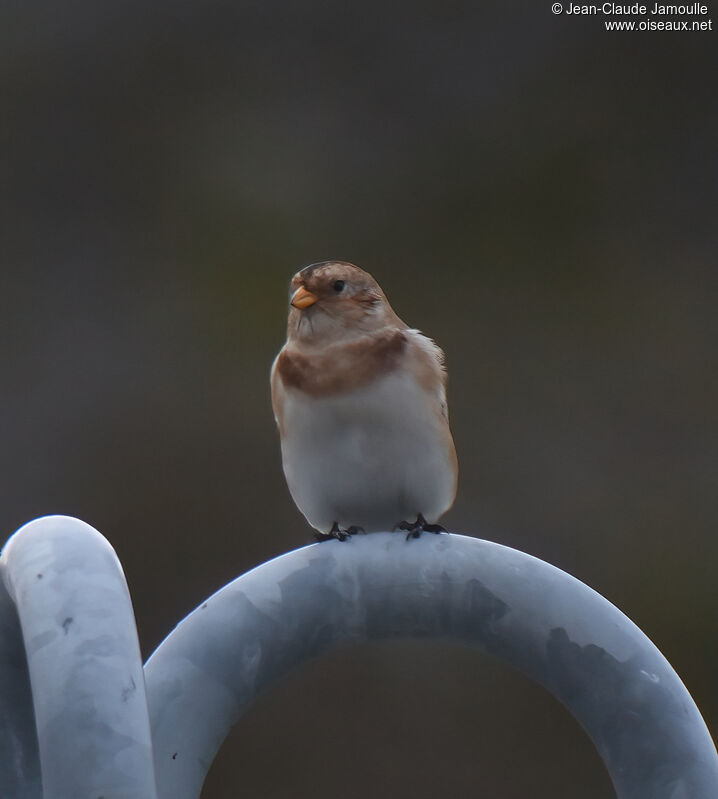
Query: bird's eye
x,y
338,286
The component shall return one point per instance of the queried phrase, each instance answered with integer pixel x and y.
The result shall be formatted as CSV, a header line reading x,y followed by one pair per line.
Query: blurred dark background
x,y
534,192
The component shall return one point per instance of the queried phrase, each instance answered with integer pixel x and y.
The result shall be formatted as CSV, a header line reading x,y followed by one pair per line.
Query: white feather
x,y
372,457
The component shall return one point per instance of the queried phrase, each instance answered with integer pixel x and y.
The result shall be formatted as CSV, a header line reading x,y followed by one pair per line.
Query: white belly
x,y
371,458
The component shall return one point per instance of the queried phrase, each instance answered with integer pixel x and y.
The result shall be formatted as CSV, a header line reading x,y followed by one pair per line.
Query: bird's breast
x,y
343,368
370,455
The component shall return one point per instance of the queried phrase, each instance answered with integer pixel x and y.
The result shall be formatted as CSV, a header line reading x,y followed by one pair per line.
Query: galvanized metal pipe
x,y
87,691
84,665
530,615
19,761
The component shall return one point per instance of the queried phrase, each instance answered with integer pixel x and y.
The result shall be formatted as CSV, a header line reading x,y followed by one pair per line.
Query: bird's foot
x,y
415,529
338,533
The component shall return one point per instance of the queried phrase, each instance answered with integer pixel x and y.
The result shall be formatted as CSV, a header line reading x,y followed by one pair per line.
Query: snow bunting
x,y
359,398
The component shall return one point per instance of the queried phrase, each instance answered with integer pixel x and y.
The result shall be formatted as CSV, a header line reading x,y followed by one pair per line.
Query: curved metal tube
x,y
87,689
525,612
19,761
84,665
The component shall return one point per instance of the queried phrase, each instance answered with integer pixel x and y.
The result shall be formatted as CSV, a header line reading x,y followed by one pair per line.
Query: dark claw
x,y
415,529
338,533
434,528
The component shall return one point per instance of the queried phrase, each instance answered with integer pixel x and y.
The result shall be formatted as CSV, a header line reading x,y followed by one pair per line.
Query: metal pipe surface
x,y
19,760
84,664
528,614
66,586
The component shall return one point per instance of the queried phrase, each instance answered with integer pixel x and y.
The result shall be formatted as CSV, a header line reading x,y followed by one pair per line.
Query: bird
x,y
359,399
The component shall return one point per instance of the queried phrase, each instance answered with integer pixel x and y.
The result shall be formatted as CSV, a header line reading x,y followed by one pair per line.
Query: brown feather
x,y
342,367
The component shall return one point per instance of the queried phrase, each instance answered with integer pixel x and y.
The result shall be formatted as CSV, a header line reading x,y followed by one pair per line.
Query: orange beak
x,y
303,298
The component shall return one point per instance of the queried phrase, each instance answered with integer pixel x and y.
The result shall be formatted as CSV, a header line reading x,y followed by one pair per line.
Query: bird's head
x,y
335,300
